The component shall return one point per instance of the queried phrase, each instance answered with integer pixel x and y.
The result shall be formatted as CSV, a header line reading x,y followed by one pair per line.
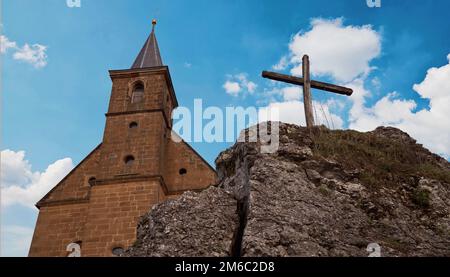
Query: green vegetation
x,y
382,160
324,190
396,244
422,197
437,173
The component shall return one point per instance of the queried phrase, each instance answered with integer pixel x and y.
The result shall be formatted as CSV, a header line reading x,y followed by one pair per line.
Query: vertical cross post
x,y
307,99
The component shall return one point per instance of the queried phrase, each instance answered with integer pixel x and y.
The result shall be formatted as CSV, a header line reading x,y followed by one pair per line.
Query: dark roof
x,y
149,55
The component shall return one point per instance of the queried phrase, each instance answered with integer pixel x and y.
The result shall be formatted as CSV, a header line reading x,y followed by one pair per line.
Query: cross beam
x,y
300,81
307,84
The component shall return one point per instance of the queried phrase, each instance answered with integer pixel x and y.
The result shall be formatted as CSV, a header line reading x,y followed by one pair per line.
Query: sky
x,y
56,87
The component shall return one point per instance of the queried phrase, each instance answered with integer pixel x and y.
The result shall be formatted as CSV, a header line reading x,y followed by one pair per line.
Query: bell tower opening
x,y
137,94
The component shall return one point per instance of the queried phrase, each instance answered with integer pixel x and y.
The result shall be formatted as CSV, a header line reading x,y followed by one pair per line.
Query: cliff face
x,y
325,193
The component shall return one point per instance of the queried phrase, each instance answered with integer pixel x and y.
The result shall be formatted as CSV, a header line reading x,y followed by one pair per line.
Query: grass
x,y
324,190
421,197
382,160
431,170
396,244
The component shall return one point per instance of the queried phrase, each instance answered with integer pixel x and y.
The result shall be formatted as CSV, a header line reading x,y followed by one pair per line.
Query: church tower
x,y
94,210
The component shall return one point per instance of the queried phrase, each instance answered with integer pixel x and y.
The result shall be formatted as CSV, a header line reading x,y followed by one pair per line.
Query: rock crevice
x,y
242,211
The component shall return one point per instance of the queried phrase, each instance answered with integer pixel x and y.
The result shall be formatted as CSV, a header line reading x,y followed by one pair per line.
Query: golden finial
x,y
154,22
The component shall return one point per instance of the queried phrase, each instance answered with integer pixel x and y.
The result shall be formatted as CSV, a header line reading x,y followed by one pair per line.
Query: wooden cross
x,y
307,84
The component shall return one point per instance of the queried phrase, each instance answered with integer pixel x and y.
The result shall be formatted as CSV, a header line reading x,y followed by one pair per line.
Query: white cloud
x,y
15,169
293,112
376,83
22,186
232,88
239,83
5,44
436,86
288,93
187,65
34,55
282,64
429,126
335,104
291,93
387,111
16,240
251,87
245,83
343,52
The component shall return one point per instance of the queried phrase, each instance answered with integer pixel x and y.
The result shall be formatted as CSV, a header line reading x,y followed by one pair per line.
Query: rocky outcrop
x,y
196,224
323,193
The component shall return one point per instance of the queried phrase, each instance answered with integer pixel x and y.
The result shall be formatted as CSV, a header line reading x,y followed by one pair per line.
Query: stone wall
x,y
56,227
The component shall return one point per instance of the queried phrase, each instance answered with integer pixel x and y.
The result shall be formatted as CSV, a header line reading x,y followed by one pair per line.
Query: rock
x,y
196,224
393,133
294,152
313,175
324,193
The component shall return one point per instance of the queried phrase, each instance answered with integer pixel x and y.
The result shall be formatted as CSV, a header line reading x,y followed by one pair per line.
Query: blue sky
x,y
54,105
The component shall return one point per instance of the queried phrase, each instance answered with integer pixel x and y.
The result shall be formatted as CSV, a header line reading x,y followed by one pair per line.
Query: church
x,y
96,207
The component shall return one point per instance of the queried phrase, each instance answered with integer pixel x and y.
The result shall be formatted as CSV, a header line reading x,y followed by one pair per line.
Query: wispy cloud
x,y
34,54
239,84
6,44
282,64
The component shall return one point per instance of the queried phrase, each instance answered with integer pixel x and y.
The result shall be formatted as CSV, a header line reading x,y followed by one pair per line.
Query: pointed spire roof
x,y
149,55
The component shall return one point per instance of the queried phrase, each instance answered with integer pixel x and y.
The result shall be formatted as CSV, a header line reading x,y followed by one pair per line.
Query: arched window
x,y
129,160
133,125
138,93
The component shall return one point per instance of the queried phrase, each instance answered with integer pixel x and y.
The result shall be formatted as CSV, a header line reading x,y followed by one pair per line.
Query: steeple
x,y
149,55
